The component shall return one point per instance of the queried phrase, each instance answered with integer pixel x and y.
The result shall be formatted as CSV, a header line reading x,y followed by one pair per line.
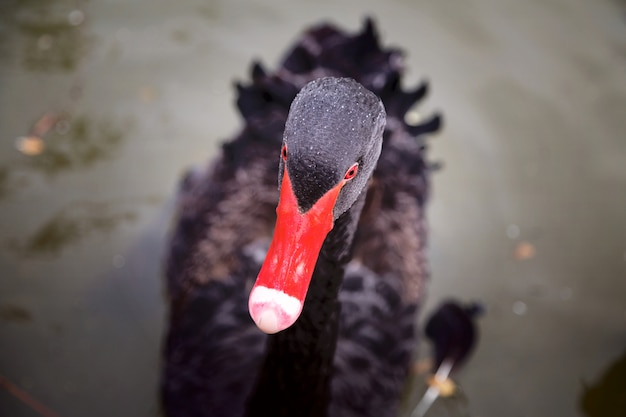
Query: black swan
x,y
349,221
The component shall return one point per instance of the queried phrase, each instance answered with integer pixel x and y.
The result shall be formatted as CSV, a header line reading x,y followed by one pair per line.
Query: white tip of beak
x,y
273,310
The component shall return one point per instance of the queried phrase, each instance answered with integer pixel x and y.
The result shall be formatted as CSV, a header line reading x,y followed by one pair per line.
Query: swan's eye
x,y
351,172
283,153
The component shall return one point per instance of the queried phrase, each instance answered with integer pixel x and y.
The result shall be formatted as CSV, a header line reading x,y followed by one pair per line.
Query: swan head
x,y
332,141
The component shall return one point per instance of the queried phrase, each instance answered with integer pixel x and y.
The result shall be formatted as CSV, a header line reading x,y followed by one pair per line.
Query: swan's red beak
x,y
277,298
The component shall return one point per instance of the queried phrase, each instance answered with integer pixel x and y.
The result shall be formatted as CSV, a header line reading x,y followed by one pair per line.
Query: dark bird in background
x,y
338,251
453,333
452,330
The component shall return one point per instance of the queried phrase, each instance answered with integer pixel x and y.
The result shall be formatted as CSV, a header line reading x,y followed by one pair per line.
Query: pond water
x,y
104,104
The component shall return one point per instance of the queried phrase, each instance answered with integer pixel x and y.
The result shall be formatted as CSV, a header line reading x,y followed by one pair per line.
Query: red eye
x,y
351,172
283,153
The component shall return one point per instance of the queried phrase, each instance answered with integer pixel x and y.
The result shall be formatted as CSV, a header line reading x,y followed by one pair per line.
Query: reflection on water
x,y
607,397
71,145
5,183
209,10
14,313
72,224
81,146
50,38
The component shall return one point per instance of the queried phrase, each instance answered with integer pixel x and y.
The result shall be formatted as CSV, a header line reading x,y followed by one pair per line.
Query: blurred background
x,y
105,103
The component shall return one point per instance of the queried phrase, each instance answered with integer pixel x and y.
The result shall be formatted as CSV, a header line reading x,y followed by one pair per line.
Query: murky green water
x,y
121,97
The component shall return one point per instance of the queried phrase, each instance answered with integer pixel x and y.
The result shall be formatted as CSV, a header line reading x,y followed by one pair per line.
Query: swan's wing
x,y
376,342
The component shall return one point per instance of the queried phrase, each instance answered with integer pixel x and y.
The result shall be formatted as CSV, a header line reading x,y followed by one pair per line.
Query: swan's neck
x,y
295,376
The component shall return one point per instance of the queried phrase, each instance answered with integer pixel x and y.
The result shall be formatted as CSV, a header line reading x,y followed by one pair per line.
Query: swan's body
x,y
348,353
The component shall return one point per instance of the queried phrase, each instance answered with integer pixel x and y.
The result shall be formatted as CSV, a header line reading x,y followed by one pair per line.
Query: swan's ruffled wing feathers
x,y
377,339
327,51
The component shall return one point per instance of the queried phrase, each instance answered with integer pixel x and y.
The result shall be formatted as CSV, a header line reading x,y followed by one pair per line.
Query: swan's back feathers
x,y
327,51
226,215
